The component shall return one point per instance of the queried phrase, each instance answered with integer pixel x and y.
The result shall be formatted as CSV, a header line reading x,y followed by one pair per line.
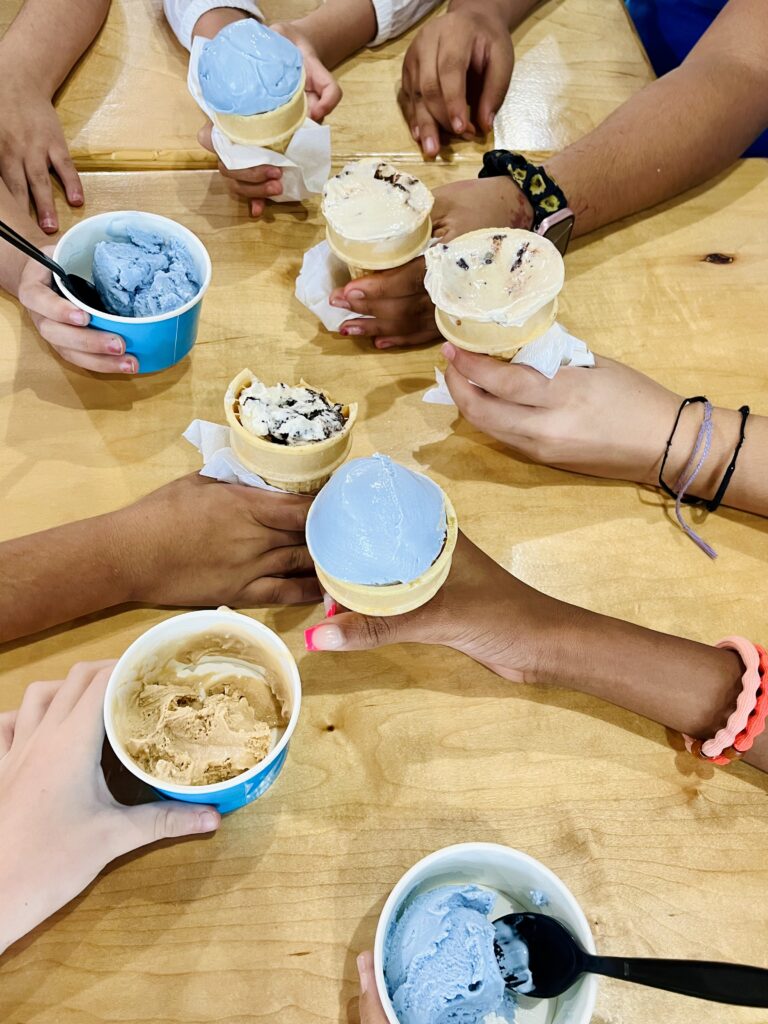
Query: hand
x,y
609,421
400,310
254,184
371,1010
197,542
473,40
480,610
31,142
323,91
64,326
61,826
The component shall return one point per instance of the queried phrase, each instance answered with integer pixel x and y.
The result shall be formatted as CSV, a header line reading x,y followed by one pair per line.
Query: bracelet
x,y
720,749
668,490
756,723
714,504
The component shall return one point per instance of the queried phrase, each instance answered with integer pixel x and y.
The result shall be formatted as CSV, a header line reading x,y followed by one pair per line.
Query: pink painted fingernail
x,y
352,330
340,304
79,317
128,366
355,294
331,610
48,225
323,638
384,344
115,346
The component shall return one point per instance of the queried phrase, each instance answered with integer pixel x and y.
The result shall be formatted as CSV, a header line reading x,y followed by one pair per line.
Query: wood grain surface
x,y
407,749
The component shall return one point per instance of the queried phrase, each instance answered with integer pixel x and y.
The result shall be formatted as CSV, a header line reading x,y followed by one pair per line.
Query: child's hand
x,y
198,542
371,1010
474,39
61,826
64,326
323,91
32,146
608,421
254,184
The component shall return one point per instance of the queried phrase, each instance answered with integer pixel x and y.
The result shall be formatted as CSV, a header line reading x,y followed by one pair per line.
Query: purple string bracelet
x,y
703,446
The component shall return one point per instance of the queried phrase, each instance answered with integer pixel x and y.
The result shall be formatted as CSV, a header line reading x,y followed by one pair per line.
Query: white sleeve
x,y
394,17
182,15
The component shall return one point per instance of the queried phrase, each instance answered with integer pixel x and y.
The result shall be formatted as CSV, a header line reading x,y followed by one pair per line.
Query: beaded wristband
x,y
720,748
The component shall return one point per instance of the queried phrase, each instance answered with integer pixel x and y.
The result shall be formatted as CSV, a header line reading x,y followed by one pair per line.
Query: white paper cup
x,y
513,875
243,788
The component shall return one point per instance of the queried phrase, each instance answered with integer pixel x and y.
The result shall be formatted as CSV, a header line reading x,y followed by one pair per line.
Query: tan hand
x,y
371,1010
323,91
256,185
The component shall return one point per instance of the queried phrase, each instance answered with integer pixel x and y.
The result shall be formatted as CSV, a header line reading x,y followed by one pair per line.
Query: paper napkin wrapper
x,y
306,162
219,461
321,272
555,348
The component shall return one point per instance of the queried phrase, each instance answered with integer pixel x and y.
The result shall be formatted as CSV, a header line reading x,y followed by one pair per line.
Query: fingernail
x,y
274,188
275,173
48,224
449,351
384,344
115,345
77,198
362,970
331,610
323,638
128,366
340,303
208,821
415,132
458,125
355,294
79,317
352,330
430,147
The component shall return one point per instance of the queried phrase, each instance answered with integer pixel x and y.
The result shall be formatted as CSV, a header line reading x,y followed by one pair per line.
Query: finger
x,y
278,511
452,63
78,680
274,590
204,137
12,173
291,560
243,190
7,723
252,175
405,99
327,99
407,307
496,77
427,337
427,128
512,382
61,162
36,295
378,327
42,195
86,713
352,632
386,284
164,819
34,704
80,339
125,365
512,423
371,1010
257,208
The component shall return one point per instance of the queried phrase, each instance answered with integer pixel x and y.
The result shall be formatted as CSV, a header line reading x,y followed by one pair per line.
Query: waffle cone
x,y
301,469
493,339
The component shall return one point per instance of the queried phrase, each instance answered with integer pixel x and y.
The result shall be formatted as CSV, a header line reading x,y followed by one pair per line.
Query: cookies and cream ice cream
x,y
377,523
289,415
140,273
252,79
377,217
201,712
496,287
439,961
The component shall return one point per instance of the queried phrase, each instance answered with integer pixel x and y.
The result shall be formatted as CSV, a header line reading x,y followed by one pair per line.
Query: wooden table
x,y
566,81
405,750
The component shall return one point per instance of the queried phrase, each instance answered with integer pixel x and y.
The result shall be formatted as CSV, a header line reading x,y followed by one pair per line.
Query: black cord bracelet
x,y
714,504
668,490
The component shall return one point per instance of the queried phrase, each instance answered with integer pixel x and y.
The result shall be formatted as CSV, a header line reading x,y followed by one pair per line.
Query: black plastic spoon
x,y
556,961
83,290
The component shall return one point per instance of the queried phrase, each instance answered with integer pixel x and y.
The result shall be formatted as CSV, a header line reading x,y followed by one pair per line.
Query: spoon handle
x,y
8,234
737,984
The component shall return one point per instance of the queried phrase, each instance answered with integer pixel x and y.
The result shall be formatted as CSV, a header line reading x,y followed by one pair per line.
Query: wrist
x,y
212,22
519,209
725,433
502,10
127,573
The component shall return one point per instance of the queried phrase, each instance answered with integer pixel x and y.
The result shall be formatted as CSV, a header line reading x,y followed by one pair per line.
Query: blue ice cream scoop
x,y
439,960
376,522
141,273
248,69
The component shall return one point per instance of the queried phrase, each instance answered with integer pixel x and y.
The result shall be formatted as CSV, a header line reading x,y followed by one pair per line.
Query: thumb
x,y
204,137
371,1010
352,632
162,819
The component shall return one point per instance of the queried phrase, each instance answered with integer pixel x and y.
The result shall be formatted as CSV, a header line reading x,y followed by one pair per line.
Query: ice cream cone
x,y
381,254
273,129
494,339
396,598
301,469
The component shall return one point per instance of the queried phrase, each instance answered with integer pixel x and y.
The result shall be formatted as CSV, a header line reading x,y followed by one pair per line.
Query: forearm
x,y
676,133
339,28
11,260
687,686
512,12
60,574
47,37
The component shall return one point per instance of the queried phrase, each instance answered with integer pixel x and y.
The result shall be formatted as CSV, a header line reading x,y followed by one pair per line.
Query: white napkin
x,y
219,461
555,348
321,272
306,162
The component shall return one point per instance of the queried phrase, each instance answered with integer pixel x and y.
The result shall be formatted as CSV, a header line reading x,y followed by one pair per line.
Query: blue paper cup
x,y
247,787
156,341
522,885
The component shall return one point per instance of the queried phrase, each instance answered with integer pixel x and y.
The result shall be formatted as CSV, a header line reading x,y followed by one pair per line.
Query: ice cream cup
x,y
379,254
392,598
273,129
156,341
247,787
494,339
301,468
513,875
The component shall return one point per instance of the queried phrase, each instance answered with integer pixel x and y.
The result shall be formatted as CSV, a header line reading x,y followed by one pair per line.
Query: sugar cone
x,y
301,469
493,339
273,129
381,254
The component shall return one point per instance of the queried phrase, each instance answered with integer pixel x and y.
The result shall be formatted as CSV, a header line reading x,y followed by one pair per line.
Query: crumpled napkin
x,y
219,461
555,348
306,162
321,272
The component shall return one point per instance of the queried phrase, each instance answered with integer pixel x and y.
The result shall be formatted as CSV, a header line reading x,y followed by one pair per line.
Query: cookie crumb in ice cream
x,y
289,415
